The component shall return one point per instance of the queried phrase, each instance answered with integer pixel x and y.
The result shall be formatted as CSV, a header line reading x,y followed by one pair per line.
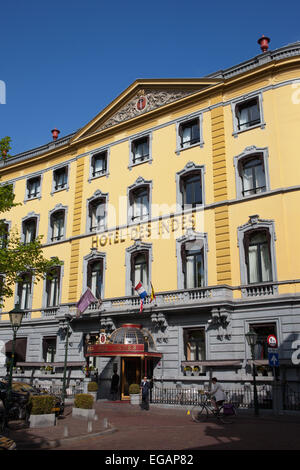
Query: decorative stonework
x,y
153,100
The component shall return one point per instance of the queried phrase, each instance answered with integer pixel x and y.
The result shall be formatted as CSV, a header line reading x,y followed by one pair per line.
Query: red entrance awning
x,y
111,349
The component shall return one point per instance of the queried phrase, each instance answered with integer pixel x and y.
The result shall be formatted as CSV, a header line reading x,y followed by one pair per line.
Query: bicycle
x,y
200,413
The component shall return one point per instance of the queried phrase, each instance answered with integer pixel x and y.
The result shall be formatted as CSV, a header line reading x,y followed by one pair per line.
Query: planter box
x,y
135,399
42,421
81,413
94,394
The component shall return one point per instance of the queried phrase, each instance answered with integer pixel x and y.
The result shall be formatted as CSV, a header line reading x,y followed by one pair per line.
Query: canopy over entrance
x,y
128,340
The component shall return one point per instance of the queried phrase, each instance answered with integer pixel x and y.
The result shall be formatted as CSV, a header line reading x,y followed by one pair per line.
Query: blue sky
x,y
64,61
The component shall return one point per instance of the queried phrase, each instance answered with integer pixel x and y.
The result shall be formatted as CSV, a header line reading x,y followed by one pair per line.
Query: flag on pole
x,y
153,296
85,300
142,293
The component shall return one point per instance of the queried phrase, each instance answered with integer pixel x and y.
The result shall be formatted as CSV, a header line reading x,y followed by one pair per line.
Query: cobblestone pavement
x,y
123,427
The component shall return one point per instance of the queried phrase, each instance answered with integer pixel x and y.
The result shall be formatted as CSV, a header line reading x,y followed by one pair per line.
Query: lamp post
x,y
68,318
252,340
15,317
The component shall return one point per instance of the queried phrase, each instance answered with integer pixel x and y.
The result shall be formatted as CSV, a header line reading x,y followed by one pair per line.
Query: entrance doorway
x,y
131,374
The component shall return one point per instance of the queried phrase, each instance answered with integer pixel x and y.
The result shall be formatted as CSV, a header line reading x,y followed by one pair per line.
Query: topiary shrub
x,y
42,404
92,387
84,401
134,389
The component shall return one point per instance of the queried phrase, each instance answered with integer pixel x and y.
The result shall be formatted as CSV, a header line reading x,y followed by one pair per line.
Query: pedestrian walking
x,y
114,386
145,387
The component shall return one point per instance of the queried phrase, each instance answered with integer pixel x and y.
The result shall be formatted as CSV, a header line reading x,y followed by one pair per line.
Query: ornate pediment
x,y
144,101
142,97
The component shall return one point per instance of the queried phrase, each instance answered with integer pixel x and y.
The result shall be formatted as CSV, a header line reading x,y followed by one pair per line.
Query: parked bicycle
x,y
205,410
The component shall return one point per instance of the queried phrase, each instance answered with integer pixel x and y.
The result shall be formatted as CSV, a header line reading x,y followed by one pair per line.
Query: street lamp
x,y
251,338
15,317
68,318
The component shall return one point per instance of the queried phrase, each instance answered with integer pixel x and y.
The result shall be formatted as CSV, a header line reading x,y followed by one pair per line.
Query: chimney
x,y
55,133
264,43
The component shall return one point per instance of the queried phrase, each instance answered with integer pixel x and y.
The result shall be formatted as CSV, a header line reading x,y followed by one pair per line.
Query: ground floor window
x,y
262,331
194,344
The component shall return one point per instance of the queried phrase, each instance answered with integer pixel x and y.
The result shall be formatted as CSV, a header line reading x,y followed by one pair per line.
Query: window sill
x,y
54,191
261,125
92,178
182,149
131,165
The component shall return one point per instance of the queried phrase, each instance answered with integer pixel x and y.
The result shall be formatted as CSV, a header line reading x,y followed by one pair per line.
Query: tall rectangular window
x,y
24,291
140,150
248,114
97,215
189,133
99,164
258,256
194,344
29,230
57,225
49,348
192,265
60,178
33,187
95,277
139,270
140,204
53,288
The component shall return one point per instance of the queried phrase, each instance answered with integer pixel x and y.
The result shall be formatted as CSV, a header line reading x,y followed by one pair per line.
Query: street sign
x,y
272,341
273,359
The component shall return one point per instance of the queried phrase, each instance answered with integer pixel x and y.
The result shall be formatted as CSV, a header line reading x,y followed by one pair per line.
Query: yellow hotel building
x,y
190,186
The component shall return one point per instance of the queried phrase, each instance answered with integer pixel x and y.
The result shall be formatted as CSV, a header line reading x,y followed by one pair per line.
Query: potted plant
x,y
83,406
41,414
196,370
93,389
188,370
134,392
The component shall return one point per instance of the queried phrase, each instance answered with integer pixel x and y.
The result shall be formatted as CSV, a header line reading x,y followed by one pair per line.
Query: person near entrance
x,y
114,386
145,387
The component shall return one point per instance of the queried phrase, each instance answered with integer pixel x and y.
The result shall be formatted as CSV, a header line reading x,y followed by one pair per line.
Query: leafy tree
x,y
16,257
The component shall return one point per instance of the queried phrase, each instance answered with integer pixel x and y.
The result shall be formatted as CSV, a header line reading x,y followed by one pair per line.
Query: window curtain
x,y
53,289
57,226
